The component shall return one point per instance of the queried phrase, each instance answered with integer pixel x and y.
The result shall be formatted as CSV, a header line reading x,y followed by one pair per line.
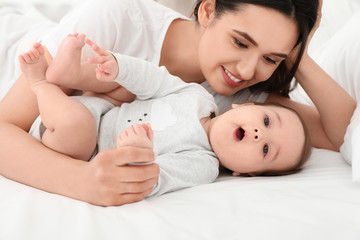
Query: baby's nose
x,y
257,134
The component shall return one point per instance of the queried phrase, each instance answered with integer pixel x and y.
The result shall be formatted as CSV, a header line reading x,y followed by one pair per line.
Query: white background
x,y
54,8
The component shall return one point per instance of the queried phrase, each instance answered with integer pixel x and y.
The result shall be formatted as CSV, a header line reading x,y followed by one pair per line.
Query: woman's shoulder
x,y
148,8
145,23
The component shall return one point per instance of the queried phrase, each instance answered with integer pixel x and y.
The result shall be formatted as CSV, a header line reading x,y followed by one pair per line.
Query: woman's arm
x,y
334,105
106,180
328,120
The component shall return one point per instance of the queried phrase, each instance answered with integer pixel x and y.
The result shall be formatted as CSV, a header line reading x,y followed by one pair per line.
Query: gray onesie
x,y
174,109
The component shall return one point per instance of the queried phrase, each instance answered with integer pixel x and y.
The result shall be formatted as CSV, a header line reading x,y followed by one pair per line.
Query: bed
x,y
320,202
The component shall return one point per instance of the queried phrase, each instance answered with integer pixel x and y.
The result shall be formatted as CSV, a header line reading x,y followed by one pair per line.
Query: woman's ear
x,y
206,12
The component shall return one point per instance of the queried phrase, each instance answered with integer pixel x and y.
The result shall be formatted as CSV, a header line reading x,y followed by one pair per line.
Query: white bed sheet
x,y
321,202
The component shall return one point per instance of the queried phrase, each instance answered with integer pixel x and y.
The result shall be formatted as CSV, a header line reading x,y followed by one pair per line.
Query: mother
x,y
240,47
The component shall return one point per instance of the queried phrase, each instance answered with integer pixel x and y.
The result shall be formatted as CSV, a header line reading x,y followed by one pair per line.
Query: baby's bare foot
x,y
33,65
137,135
66,65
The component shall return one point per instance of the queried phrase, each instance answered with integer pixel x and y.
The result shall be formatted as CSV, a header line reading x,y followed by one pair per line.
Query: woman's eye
x,y
266,121
240,44
270,60
265,149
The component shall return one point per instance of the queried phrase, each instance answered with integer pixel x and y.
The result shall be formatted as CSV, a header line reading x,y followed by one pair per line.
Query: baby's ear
x,y
234,105
252,174
236,174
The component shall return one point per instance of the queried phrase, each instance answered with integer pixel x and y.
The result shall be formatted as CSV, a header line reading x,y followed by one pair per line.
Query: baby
x,y
176,119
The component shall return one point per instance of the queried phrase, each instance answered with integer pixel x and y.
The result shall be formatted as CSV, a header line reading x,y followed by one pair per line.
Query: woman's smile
x,y
231,79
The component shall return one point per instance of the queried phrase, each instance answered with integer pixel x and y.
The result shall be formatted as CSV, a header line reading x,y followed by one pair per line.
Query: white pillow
x,y
350,149
335,14
340,58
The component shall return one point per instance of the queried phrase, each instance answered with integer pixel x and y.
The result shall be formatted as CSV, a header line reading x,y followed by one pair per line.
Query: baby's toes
x,y
33,56
27,57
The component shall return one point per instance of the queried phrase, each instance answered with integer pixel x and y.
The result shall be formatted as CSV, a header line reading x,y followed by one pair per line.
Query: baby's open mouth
x,y
240,133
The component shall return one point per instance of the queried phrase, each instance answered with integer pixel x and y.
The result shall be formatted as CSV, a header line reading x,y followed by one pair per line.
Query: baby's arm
x,y
106,72
140,77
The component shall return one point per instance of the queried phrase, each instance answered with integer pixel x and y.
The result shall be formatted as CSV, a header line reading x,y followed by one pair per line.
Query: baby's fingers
x,y
107,71
98,50
99,59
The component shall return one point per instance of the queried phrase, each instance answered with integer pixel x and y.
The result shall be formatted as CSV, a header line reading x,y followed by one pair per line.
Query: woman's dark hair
x,y
303,12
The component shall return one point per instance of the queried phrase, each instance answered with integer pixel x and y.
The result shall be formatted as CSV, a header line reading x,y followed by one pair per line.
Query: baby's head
x,y
260,139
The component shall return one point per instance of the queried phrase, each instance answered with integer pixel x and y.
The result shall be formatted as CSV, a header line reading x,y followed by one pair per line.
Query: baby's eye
x,y
240,44
266,121
270,60
265,149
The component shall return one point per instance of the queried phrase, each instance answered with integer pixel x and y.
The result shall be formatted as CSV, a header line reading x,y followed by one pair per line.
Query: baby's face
x,y
254,138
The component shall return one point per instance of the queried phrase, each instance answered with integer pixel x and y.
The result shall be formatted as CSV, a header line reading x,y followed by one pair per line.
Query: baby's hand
x,y
108,68
137,135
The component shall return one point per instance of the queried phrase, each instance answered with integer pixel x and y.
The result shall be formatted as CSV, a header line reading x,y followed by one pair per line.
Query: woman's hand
x,y
328,120
317,23
110,181
293,54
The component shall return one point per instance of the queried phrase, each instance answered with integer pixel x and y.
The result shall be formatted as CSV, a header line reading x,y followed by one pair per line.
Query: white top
x,y
132,27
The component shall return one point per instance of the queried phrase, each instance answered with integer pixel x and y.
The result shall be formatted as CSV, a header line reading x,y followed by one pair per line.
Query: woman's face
x,y
242,48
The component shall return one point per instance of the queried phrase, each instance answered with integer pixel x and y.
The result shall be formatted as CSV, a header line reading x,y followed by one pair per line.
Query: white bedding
x,y
321,202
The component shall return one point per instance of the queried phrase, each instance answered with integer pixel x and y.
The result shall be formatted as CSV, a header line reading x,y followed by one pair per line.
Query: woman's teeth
x,y
232,76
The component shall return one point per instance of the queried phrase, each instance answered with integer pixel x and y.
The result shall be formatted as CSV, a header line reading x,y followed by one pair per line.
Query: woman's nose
x,y
246,68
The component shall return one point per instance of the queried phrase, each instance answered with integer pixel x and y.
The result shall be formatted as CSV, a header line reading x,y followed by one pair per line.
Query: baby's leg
x,y
33,65
70,126
67,70
117,97
137,135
